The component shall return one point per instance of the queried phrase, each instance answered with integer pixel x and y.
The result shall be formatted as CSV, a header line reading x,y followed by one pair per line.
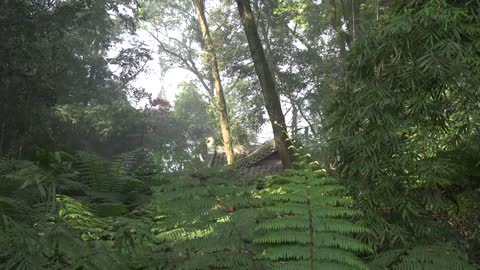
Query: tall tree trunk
x,y
219,97
294,128
270,95
336,21
2,138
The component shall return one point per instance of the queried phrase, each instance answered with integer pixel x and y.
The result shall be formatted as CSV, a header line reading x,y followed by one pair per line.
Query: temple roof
x,y
262,152
260,160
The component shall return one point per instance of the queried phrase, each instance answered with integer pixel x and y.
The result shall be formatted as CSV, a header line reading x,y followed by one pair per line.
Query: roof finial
x,y
210,145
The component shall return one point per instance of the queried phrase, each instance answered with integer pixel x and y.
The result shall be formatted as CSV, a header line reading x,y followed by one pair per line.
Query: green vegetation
x,y
309,225
380,101
198,221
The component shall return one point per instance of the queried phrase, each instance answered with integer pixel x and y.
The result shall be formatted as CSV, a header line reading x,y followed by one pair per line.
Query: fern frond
x,y
209,223
95,172
80,217
128,162
308,224
439,256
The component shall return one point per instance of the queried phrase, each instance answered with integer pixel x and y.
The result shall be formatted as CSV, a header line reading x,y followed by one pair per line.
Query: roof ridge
x,y
263,151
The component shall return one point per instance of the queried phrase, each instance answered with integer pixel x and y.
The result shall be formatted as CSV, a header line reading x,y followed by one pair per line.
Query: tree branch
x,y
188,63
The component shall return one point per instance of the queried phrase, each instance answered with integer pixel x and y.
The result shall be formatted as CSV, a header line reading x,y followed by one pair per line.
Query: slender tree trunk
x,y
2,138
270,95
343,37
219,97
294,118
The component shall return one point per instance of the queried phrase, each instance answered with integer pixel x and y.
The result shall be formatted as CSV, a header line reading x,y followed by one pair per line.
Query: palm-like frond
x,y
439,256
309,224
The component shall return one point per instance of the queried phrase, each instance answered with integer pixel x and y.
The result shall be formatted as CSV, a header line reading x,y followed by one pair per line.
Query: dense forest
x,y
372,108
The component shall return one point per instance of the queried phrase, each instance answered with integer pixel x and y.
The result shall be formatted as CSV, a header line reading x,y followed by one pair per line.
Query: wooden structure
x,y
254,160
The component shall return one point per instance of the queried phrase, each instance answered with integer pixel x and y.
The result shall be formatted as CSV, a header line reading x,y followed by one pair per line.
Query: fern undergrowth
x,y
208,221
48,219
424,257
82,212
309,224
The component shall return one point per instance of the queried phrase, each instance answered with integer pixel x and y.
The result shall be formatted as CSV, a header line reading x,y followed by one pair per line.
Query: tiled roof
x,y
259,154
261,161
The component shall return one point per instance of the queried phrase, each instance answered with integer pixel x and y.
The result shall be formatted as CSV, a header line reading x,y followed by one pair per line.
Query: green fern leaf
x,y
309,225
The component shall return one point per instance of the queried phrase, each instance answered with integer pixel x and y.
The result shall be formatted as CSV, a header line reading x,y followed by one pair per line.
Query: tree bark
x,y
219,96
270,95
336,22
294,128
2,137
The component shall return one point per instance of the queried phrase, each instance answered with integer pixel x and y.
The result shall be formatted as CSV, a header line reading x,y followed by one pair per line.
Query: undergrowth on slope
x,y
207,218
432,256
49,217
81,212
297,220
